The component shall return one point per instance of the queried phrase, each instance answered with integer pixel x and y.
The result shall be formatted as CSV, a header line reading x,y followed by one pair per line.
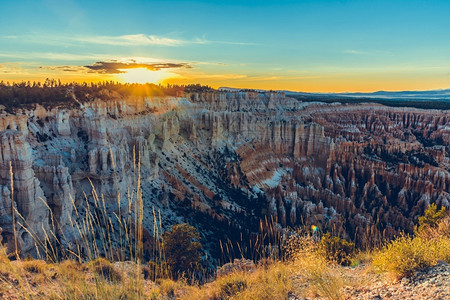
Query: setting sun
x,y
143,75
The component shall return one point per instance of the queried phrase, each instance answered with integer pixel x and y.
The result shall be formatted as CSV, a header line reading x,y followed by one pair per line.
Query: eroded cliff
x,y
223,161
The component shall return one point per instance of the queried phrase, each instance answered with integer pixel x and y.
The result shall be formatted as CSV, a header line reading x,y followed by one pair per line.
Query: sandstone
x,y
365,171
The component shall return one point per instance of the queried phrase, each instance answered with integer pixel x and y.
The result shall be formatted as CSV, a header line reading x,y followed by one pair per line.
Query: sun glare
x,y
143,75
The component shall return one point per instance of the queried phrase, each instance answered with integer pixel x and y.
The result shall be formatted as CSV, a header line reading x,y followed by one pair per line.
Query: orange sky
x,y
317,82
311,46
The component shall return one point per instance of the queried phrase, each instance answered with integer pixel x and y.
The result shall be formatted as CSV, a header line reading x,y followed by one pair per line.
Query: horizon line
x,y
225,87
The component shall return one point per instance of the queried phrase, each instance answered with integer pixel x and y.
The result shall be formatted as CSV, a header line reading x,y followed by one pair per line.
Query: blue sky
x,y
298,45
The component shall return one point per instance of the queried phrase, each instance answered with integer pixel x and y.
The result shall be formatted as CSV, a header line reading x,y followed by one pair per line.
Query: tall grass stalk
x,y
96,232
11,174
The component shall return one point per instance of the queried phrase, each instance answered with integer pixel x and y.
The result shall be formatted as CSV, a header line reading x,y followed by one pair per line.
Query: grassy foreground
x,y
310,269
310,273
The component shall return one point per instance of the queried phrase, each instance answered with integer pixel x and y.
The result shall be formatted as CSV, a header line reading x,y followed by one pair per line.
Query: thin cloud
x,y
360,52
147,40
3,69
131,39
139,39
14,68
356,52
216,76
73,69
50,56
205,41
116,67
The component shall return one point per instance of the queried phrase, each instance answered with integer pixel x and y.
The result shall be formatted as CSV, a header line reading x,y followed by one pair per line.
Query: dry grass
x,y
105,269
306,273
85,270
296,263
324,278
99,279
80,272
35,266
273,281
405,255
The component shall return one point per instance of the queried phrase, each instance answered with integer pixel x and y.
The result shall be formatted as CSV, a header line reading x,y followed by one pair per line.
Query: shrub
x,y
230,286
272,282
432,216
322,275
443,228
434,223
182,249
362,258
337,249
403,256
34,266
296,244
324,278
169,289
105,269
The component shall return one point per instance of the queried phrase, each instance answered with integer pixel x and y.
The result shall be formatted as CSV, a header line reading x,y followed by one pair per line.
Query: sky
x,y
311,46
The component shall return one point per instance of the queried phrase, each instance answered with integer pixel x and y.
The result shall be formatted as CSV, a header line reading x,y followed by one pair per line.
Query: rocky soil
x,y
433,283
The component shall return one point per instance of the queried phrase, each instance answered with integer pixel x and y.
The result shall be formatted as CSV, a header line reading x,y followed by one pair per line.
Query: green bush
x,y
337,249
405,255
182,249
431,218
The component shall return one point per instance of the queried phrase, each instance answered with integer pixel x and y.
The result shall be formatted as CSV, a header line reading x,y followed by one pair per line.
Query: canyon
x,y
222,161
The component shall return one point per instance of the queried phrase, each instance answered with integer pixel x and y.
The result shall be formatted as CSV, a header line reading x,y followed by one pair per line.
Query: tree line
x,y
54,92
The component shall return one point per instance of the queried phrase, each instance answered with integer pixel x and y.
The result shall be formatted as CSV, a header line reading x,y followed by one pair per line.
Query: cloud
x,y
138,39
356,52
52,56
74,69
359,52
147,40
13,68
131,39
202,76
115,67
205,41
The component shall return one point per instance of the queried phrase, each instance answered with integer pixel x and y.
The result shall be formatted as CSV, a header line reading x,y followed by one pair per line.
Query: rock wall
x,y
22,197
226,158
